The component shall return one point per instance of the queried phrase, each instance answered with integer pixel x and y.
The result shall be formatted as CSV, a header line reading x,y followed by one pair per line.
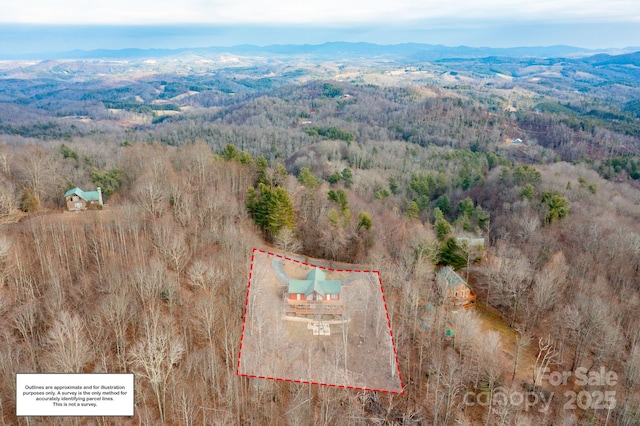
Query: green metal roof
x,y
451,277
316,281
85,195
75,190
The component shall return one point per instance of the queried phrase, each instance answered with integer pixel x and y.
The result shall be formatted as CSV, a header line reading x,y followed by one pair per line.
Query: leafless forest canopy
x,y
375,163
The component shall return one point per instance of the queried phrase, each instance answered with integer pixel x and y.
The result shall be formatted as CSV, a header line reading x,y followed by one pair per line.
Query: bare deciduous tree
x,y
509,274
182,202
547,355
632,369
453,387
155,354
8,202
529,224
548,286
286,240
68,348
117,312
584,322
150,281
202,275
489,365
173,248
151,195
6,158
5,248
523,340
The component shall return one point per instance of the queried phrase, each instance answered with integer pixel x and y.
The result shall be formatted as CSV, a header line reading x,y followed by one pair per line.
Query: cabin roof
x,y
316,282
85,195
451,277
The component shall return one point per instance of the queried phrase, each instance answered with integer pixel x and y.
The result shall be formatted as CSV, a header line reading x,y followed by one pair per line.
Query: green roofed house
x,y
78,200
314,295
459,293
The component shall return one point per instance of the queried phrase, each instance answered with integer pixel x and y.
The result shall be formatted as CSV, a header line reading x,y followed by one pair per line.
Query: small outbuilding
x,y
78,200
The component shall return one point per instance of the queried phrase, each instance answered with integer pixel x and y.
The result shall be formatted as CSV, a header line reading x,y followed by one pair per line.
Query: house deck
x,y
312,307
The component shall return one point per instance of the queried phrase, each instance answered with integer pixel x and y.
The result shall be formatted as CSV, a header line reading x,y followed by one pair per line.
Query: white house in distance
x,y
78,200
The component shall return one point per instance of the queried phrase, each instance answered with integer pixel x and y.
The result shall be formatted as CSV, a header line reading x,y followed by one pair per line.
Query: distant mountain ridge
x,y
405,52
624,59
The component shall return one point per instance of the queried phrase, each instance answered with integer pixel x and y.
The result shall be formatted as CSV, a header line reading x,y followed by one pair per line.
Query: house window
x,y
298,296
329,296
334,297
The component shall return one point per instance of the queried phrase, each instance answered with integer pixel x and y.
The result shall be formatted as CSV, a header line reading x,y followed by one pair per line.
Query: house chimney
x,y
99,195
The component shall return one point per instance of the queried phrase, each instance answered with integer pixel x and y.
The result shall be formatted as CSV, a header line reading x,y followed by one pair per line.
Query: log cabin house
x,y
314,295
78,200
459,293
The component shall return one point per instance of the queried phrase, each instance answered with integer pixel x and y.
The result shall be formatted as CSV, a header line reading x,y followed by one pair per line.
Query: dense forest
x,y
390,168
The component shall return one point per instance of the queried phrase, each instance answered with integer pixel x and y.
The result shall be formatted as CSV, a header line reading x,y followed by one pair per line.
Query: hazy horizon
x,y
39,26
29,39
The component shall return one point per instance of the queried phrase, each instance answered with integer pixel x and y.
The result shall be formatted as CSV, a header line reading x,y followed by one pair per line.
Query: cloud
x,y
325,12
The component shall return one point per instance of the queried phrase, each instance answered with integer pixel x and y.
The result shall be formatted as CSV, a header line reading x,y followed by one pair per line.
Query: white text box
x,y
74,394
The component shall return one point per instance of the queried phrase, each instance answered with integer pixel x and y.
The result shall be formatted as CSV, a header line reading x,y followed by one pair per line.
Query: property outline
x,y
312,265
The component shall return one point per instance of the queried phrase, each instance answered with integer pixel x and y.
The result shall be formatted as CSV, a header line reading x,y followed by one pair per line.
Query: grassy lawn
x,y
491,320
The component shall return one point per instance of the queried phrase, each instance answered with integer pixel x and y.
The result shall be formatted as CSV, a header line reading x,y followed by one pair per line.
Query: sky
x,y
43,25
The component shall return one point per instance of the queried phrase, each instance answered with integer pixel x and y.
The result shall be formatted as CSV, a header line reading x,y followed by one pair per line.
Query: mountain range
x,y
405,52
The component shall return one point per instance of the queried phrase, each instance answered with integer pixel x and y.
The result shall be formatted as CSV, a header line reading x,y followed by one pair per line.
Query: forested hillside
x,y
383,166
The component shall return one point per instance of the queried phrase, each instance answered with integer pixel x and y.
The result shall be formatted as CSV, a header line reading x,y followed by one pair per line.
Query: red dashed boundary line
x,y
307,382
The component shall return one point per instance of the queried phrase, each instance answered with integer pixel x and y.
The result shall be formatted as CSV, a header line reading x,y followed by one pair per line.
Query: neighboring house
x,y
459,294
471,242
314,295
78,200
472,247
516,141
